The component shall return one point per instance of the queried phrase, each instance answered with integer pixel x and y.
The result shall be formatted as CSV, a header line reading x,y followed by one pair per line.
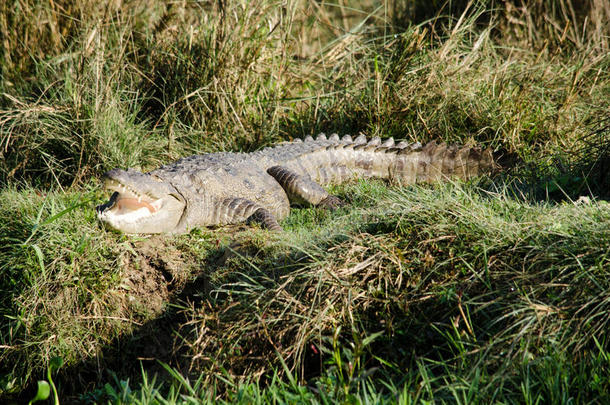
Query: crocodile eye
x,y
156,178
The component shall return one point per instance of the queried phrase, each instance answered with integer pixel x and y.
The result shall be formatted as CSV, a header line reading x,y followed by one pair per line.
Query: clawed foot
x,y
266,219
332,202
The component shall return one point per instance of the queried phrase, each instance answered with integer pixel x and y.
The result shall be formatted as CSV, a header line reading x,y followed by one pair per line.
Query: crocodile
x,y
228,188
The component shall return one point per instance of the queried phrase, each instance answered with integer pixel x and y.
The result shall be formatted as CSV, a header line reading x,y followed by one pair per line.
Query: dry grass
x,y
138,84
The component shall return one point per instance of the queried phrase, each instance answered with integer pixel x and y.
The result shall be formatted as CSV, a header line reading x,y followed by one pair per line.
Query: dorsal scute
x,y
429,147
414,147
360,139
375,141
347,138
321,137
334,137
440,149
388,143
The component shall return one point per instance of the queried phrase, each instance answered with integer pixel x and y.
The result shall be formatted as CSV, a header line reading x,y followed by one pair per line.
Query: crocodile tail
x,y
436,162
412,163
335,160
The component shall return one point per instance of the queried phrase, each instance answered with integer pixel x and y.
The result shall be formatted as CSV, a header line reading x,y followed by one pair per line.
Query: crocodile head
x,y
140,203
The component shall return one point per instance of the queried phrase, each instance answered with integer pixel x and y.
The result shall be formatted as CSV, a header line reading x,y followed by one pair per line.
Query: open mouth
x,y
140,203
126,201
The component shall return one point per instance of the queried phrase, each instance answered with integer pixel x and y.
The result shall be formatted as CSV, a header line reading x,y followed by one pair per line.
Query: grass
x,y
489,291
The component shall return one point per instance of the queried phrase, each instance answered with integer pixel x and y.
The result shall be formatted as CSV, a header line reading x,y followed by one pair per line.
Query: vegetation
x,y
495,290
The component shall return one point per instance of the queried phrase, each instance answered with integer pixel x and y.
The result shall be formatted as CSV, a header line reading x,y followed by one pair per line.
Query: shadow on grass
x,y
408,331
576,175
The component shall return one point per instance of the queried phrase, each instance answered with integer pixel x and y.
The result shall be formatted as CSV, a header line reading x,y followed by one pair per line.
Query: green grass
x,y
494,290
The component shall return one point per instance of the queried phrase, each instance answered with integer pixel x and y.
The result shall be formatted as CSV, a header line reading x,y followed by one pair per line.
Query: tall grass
x,y
101,84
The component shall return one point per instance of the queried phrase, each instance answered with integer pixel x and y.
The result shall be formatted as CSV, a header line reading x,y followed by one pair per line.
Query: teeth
x,y
127,191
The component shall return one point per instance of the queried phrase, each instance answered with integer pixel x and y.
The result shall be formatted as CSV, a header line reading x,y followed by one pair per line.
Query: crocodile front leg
x,y
302,190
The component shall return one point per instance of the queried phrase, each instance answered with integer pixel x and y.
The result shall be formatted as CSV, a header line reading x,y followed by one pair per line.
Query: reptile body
x,y
227,188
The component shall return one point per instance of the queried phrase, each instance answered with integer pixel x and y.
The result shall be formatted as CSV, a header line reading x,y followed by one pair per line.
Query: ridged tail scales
x,y
437,162
336,160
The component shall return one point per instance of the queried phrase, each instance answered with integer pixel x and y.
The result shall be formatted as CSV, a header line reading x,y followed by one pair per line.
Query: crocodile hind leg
x,y
237,210
302,190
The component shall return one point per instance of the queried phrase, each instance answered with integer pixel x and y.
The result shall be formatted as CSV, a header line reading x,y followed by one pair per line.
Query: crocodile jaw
x,y
131,212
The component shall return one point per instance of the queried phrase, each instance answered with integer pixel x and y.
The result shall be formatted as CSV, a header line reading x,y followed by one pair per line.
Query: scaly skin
x,y
227,188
